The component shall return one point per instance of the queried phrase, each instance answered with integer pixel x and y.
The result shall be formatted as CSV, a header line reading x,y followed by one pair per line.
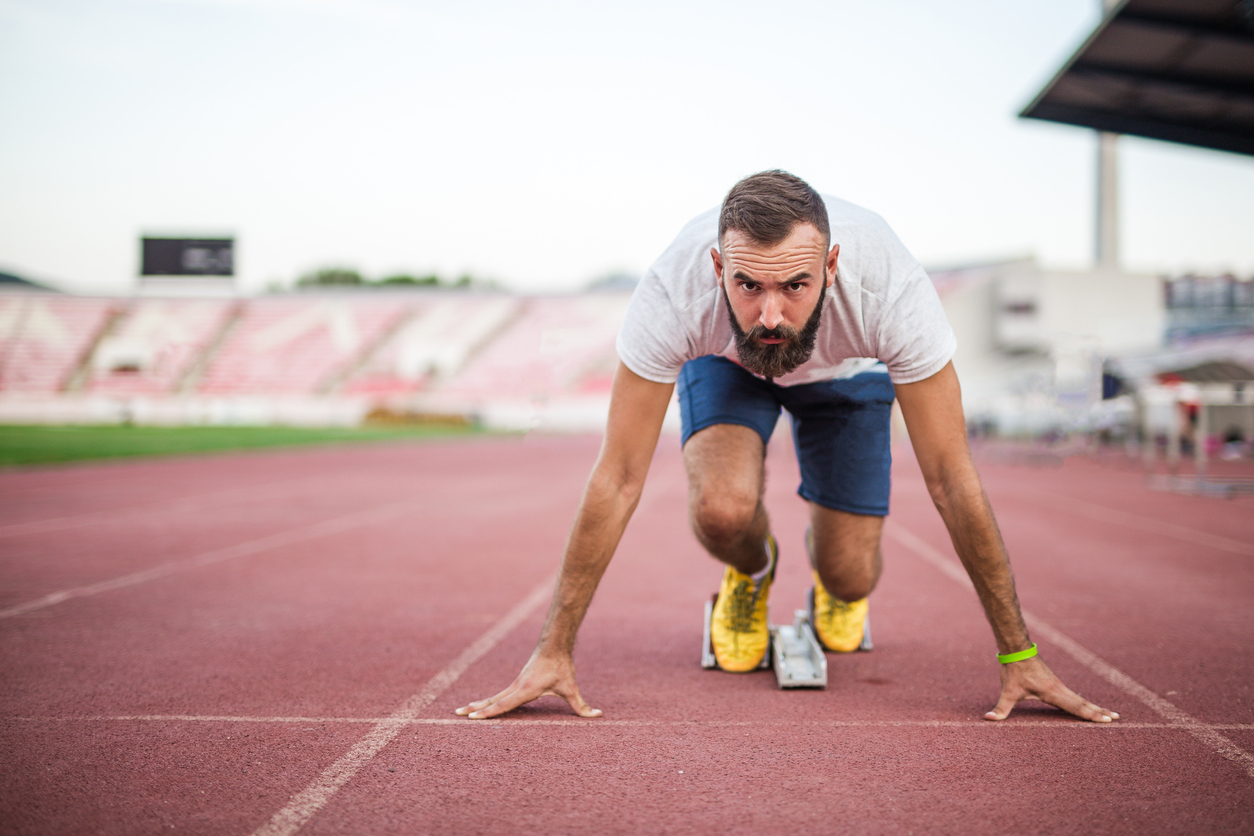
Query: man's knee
x,y
847,555
849,567
723,516
850,583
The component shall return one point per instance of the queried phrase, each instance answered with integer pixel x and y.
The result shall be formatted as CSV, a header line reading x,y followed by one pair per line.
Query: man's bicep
x,y
637,410
932,409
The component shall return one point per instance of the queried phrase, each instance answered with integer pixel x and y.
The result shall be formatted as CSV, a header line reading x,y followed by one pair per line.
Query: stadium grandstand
x,y
297,345
155,347
48,340
312,358
1041,351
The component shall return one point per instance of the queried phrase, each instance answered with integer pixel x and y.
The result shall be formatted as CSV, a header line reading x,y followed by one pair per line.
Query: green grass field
x,y
25,445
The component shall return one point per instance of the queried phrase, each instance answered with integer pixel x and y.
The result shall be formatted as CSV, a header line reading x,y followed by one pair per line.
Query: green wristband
x,y
1007,658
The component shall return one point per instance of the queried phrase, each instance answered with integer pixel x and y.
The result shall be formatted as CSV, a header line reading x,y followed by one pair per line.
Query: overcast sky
x,y
544,144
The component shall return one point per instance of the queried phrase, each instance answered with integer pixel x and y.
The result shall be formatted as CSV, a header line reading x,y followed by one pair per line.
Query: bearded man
x,y
751,310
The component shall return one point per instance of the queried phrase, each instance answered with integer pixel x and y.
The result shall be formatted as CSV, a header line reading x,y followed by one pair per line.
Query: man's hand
x,y
637,409
932,409
1032,680
542,677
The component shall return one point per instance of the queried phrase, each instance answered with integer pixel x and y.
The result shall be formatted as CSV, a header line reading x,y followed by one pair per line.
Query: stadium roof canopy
x,y
8,281
1179,70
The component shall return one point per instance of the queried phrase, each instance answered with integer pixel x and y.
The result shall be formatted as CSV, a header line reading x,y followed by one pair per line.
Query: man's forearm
x,y
603,513
967,514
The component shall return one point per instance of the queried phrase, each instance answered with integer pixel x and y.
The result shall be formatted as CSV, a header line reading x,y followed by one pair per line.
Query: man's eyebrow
x,y
742,276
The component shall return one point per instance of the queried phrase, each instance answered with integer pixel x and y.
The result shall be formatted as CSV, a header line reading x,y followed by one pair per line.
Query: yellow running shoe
x,y
738,628
838,625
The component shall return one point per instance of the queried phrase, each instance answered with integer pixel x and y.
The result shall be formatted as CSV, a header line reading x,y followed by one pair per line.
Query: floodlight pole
x,y
1106,241
1107,232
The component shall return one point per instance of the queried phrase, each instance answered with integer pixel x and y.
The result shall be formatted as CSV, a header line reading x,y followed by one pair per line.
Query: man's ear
x,y
831,264
718,264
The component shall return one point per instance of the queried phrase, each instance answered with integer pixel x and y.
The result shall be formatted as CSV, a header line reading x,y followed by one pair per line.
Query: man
x,y
751,309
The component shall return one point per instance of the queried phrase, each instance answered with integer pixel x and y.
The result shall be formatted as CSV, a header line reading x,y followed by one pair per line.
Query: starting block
x,y
795,652
797,655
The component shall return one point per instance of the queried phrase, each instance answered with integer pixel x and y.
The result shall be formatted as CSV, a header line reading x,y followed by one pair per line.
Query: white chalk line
x,y
1174,716
1101,513
578,722
325,528
195,502
305,804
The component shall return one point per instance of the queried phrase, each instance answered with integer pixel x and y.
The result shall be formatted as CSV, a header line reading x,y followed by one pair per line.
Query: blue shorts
x,y
840,428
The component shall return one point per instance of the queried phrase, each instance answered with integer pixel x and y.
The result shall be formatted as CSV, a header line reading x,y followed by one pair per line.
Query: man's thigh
x,y
843,442
727,418
713,390
726,466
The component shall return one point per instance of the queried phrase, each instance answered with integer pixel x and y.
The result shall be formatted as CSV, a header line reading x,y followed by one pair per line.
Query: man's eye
x,y
748,287
796,287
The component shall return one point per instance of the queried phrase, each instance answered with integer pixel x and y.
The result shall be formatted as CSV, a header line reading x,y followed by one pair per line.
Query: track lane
x,y
895,744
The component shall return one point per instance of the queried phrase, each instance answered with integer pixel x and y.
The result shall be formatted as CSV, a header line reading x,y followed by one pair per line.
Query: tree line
x,y
343,276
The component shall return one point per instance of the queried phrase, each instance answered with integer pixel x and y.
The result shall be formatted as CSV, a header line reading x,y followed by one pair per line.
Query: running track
x,y
275,643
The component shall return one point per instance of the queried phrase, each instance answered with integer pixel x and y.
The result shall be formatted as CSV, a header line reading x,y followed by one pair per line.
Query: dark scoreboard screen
x,y
188,257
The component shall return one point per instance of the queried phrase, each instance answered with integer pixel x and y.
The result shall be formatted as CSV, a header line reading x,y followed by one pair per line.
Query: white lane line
x,y
576,722
314,797
196,502
1114,516
325,528
1174,716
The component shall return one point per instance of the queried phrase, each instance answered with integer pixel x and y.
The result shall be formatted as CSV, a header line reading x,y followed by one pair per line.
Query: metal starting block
x,y
797,655
794,652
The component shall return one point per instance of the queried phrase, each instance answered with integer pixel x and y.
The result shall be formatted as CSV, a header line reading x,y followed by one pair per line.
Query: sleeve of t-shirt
x,y
652,341
914,337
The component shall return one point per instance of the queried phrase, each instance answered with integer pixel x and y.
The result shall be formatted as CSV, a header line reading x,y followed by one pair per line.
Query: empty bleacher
x,y
298,345
433,344
46,339
307,358
154,347
555,345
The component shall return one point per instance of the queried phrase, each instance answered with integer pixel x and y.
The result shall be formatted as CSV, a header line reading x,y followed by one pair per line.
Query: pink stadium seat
x,y
156,345
559,344
434,343
45,338
298,345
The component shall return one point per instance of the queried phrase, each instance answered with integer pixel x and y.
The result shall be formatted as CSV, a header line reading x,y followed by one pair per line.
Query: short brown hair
x,y
767,205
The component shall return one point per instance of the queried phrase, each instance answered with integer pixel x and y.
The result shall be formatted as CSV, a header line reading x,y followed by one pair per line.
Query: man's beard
x,y
777,360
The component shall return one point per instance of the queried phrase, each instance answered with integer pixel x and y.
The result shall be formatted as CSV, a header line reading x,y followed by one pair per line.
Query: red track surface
x,y
216,645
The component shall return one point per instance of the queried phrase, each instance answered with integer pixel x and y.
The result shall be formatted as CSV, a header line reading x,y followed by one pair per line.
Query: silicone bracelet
x,y
1007,658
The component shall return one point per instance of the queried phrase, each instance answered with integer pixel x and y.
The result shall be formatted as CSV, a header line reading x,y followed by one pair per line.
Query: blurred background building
x,y
1161,363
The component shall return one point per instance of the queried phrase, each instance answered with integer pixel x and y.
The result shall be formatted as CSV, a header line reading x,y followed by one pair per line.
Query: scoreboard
x,y
188,257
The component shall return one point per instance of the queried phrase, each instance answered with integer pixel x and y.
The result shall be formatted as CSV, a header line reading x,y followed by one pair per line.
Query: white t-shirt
x,y
881,308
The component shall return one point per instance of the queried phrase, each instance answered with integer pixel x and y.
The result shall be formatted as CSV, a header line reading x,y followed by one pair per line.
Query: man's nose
x,y
772,312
